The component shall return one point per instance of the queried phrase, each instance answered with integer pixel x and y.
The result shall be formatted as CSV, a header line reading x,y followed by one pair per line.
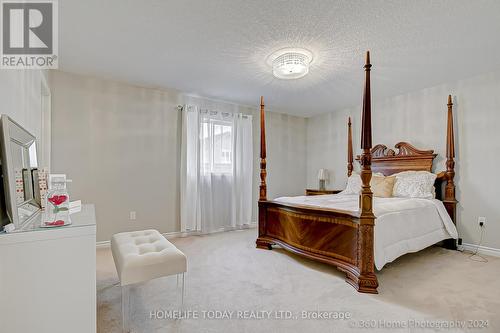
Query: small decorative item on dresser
x,y
310,191
57,203
322,177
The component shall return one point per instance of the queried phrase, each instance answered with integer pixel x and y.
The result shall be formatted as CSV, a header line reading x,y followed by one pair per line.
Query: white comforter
x,y
403,225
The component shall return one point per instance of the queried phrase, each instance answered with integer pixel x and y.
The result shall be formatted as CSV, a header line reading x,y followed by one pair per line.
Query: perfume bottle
x,y
57,202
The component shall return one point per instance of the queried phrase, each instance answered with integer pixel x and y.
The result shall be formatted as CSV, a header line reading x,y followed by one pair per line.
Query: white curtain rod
x,y
214,112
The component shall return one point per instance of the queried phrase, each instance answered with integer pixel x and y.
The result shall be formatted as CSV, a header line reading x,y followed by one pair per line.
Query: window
x,y
217,162
217,147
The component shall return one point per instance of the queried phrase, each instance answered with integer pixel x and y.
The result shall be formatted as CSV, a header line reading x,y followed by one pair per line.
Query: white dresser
x,y
47,278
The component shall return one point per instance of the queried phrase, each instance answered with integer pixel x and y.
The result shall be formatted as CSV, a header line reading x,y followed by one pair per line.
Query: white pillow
x,y
354,183
414,184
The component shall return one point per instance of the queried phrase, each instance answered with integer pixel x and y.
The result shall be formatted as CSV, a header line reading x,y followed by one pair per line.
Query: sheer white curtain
x,y
217,169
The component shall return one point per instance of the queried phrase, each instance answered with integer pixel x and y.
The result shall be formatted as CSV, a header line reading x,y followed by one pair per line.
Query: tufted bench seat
x,y
142,256
145,255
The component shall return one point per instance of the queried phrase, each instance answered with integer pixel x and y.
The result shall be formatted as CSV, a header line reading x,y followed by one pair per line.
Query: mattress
x,y
402,225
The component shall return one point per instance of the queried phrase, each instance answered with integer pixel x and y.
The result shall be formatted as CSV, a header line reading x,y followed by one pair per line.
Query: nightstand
x,y
321,192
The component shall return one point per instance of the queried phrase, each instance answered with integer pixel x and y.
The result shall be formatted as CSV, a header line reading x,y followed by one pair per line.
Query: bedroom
x,y
153,111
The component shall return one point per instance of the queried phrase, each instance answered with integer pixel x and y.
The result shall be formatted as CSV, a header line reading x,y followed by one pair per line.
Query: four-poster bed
x,y
345,238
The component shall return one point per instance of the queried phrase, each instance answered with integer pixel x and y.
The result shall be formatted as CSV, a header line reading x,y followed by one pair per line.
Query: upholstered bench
x,y
142,256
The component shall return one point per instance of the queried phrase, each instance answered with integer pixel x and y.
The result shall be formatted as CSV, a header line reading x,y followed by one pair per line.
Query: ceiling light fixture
x,y
290,63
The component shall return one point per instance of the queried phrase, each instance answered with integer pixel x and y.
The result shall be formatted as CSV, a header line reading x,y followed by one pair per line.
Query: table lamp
x,y
322,177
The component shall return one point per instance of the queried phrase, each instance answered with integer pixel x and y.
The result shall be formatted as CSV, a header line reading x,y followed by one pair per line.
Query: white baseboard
x,y
102,244
490,251
178,234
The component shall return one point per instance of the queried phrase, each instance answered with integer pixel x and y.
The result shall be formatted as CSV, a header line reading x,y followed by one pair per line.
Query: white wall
x,y
21,99
121,146
286,151
420,118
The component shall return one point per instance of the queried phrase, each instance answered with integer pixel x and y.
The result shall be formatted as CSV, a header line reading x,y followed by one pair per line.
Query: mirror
x,y
19,161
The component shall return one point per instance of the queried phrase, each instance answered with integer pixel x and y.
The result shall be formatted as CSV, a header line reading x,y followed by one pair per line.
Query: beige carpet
x,y
227,273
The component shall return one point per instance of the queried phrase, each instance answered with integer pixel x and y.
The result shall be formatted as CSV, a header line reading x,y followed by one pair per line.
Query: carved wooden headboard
x,y
404,158
389,161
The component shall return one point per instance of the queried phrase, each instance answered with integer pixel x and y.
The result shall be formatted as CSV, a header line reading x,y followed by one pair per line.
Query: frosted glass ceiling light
x,y
290,63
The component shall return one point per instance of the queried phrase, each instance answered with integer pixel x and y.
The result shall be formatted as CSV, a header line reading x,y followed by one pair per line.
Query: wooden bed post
x,y
450,201
365,280
261,242
450,157
350,157
263,172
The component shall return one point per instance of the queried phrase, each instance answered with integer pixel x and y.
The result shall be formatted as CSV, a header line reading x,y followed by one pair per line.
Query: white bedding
x,y
402,225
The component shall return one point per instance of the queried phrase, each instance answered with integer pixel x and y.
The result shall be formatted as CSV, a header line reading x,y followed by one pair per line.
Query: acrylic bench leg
x,y
183,289
125,308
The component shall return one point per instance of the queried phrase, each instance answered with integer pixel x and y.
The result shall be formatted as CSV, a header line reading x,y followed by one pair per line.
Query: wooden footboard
x,y
329,236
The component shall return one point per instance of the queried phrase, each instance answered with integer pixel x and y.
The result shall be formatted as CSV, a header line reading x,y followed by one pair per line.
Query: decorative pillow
x,y
382,186
354,183
414,184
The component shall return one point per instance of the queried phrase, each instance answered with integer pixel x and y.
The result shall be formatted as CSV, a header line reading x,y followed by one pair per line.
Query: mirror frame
x,y
12,131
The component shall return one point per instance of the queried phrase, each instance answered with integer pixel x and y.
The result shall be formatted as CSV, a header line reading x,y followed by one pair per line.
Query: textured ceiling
x,y
218,48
